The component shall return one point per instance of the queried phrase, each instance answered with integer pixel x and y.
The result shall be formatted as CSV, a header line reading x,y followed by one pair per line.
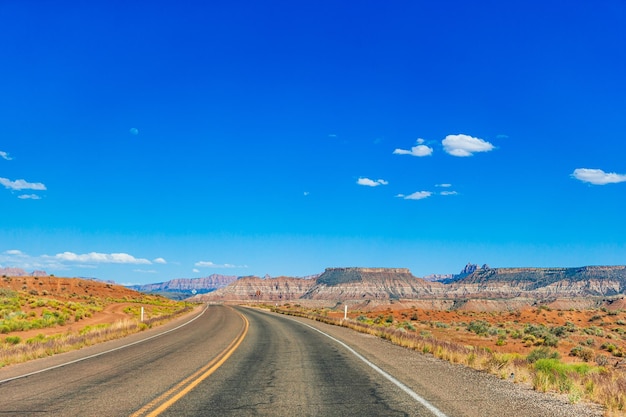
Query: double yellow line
x,y
165,400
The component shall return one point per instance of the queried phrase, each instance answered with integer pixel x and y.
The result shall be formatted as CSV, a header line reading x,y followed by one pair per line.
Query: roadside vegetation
x,y
582,361
36,322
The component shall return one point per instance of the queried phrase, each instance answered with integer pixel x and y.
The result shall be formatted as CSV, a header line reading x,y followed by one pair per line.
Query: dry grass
x,y
42,346
604,385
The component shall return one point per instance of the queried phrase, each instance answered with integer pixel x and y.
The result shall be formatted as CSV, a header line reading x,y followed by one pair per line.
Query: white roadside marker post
x,y
142,314
345,312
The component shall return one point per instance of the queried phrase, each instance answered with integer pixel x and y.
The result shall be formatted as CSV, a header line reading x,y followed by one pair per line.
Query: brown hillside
x,y
102,302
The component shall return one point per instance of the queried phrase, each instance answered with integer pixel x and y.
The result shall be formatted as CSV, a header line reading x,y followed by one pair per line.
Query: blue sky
x,y
150,141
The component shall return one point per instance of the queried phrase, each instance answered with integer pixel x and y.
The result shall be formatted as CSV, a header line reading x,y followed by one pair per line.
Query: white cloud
x,y
419,150
145,271
95,257
15,252
196,270
598,176
419,195
448,193
306,193
371,183
5,155
159,261
465,145
29,197
443,185
21,184
209,264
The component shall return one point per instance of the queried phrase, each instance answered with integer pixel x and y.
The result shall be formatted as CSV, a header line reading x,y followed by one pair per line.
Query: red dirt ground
x,y
611,322
73,289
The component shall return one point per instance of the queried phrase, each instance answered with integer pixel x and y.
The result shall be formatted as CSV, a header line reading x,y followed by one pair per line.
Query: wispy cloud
x,y
5,155
21,184
95,257
443,185
145,271
29,197
419,150
597,176
159,261
68,260
448,193
195,270
419,195
371,183
465,145
209,264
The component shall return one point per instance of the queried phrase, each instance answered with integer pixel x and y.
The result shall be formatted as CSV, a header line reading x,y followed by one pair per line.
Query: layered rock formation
x,y
541,282
370,283
482,288
258,289
188,285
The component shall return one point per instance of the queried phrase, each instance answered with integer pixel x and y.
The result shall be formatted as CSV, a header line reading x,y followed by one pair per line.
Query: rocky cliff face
x,y
517,285
370,283
206,284
258,289
542,282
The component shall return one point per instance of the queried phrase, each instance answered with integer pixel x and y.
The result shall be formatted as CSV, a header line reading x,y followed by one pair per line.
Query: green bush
x,y
586,354
480,327
542,353
12,340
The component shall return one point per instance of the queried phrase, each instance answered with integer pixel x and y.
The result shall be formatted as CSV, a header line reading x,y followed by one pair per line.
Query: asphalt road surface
x,y
247,362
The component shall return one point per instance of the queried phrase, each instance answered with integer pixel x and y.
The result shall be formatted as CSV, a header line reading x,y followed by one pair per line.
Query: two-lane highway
x,y
284,368
246,362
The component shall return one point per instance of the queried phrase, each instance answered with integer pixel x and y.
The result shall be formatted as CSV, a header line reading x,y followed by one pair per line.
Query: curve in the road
x,y
163,402
390,378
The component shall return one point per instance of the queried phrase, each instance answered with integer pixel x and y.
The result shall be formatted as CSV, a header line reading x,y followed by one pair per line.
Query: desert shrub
x,y
480,327
593,331
602,360
406,325
558,331
582,352
609,347
542,353
543,335
554,374
39,338
12,340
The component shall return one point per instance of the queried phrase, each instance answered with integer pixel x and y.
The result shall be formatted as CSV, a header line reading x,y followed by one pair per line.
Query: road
x,y
246,362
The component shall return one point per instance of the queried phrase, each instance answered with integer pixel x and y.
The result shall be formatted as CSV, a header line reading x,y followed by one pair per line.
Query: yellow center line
x,y
174,394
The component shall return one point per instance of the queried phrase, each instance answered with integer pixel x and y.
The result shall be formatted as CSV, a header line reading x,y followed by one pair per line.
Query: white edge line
x,y
103,353
399,384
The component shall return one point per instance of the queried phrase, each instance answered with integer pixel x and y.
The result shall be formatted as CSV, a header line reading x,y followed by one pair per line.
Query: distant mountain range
x,y
19,272
516,285
181,288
